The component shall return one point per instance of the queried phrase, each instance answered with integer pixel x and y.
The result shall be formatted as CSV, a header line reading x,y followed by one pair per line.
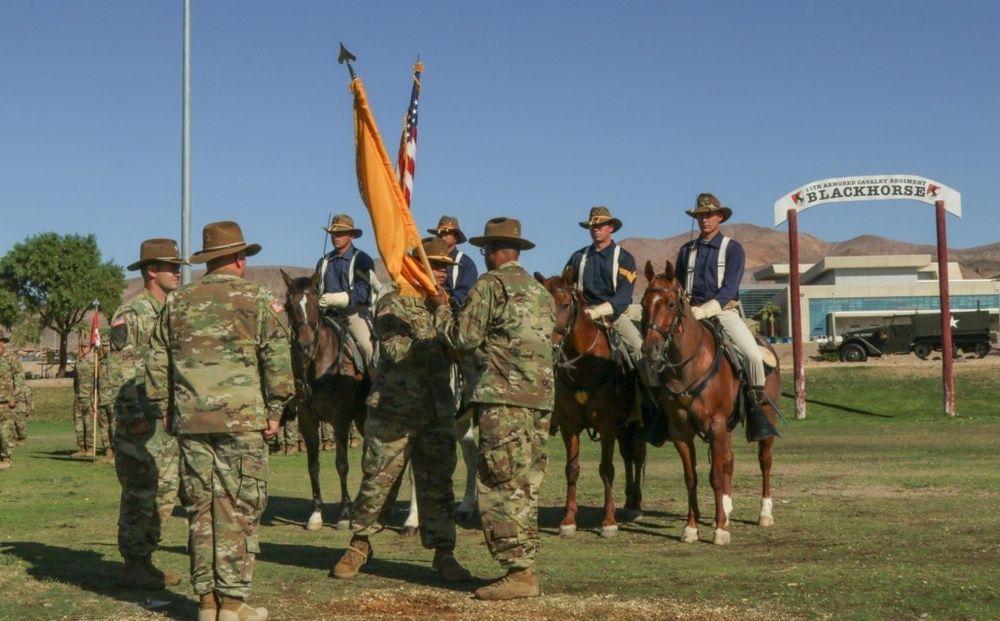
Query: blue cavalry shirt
x,y
706,286
599,278
338,276
460,279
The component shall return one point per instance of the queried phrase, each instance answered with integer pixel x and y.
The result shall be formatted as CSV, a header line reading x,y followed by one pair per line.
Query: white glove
x,y
601,310
336,300
706,310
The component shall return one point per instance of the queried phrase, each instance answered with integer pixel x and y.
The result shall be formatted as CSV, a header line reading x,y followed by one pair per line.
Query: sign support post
x,y
947,373
796,309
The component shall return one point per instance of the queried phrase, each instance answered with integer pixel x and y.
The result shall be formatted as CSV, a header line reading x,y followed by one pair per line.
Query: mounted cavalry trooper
x,y
463,274
605,273
346,283
712,268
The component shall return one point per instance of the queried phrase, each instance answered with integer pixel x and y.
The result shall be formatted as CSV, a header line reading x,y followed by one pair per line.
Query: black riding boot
x,y
759,425
655,429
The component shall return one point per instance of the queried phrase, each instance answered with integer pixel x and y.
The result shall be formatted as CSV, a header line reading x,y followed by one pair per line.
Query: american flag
x,y
407,161
95,325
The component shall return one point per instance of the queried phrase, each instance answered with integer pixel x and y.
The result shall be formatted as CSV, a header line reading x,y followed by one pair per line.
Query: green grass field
x,y
884,509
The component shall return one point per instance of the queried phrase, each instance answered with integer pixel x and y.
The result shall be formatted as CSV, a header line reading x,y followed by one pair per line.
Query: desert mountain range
x,y
763,246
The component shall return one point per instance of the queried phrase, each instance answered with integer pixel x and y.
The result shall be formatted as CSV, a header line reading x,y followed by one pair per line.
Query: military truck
x,y
919,333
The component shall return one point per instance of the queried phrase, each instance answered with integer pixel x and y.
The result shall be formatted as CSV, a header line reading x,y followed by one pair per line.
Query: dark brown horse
x,y
699,394
327,388
592,394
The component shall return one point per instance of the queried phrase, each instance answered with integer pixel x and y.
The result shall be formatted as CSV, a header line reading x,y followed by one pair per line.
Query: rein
x,y
569,364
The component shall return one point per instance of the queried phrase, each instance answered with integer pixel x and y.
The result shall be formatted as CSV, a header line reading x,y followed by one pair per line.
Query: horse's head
x,y
663,307
302,309
567,302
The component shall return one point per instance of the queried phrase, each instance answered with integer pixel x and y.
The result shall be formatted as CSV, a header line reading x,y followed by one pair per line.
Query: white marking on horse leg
x,y
727,507
567,530
315,521
609,531
722,537
413,519
766,512
690,534
470,454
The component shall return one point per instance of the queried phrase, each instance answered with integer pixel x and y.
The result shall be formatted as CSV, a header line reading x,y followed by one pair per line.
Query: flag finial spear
x,y
346,57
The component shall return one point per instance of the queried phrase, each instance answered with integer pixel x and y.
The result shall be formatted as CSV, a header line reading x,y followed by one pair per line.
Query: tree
x,y
57,278
767,316
10,310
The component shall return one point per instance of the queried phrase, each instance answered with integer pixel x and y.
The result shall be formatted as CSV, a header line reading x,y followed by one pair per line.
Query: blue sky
x,y
533,110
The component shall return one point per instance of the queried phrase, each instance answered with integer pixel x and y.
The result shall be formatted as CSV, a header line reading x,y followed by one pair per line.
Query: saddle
x,y
619,353
739,363
348,346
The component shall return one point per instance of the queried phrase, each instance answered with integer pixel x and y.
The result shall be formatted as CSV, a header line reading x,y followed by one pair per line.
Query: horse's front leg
x,y
572,441
633,451
689,462
412,524
609,527
340,431
766,517
470,454
309,432
721,451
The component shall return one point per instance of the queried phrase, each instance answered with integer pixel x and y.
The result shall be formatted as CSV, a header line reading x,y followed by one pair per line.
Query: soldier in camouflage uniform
x,y
147,457
13,393
83,389
504,330
220,366
411,415
106,404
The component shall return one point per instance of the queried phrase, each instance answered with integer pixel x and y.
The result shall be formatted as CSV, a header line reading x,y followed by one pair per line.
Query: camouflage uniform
x,y
12,391
146,463
411,415
83,388
220,354
504,330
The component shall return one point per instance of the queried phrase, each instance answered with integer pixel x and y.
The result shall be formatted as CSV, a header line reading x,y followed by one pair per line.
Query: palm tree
x,y
768,316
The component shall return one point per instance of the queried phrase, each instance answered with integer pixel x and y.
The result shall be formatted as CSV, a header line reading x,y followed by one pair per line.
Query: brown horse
x,y
592,394
699,393
328,388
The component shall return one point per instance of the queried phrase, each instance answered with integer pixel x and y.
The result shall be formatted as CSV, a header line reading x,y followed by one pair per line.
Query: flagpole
x,y
95,393
418,68
186,148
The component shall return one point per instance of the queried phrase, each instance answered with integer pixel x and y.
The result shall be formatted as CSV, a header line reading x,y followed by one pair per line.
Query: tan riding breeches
x,y
741,336
629,335
358,326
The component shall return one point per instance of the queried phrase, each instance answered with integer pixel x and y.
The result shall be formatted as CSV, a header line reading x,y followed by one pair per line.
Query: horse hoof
x,y
315,522
721,537
690,534
567,530
631,514
409,531
343,524
765,520
609,531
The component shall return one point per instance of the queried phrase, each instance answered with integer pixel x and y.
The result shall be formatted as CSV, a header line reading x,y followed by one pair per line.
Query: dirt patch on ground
x,y
427,604
920,368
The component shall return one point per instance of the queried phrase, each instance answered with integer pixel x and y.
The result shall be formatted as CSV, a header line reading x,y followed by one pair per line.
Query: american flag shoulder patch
x,y
276,307
118,321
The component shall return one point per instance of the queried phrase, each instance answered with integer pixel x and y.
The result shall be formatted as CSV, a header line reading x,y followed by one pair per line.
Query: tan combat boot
x,y
233,609
5,463
448,568
136,575
170,578
516,584
79,453
357,553
290,449
208,607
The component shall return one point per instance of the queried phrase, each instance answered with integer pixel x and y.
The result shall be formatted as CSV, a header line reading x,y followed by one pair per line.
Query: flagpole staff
x,y
95,394
346,58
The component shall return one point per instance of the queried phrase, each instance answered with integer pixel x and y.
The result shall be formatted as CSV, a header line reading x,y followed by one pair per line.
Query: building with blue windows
x,y
848,293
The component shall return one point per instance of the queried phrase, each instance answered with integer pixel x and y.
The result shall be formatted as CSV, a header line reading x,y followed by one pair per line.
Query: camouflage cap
x,y
708,204
449,224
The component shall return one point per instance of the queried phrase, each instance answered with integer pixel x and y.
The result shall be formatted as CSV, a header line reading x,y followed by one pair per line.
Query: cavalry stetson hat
x,y
449,224
220,239
601,215
436,251
343,223
157,250
707,204
501,229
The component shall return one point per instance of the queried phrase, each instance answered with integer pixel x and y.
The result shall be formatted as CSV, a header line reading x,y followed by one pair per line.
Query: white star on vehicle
x,y
954,322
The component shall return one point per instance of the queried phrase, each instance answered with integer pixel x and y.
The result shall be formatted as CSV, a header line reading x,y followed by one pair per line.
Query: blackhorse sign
x,y
870,188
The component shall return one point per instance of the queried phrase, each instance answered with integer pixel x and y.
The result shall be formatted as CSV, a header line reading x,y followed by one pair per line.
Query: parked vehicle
x,y
919,333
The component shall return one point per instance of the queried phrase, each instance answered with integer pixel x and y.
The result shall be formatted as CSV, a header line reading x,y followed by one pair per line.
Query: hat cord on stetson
x,y
230,245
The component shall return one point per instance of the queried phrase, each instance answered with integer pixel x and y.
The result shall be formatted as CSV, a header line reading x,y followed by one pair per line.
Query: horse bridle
x,y
308,352
566,333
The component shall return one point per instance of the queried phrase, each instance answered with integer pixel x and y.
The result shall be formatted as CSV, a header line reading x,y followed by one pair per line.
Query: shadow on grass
x,y
323,558
88,570
62,455
838,406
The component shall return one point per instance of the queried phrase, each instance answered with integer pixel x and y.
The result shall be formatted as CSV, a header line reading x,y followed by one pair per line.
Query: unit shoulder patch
x,y
628,274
